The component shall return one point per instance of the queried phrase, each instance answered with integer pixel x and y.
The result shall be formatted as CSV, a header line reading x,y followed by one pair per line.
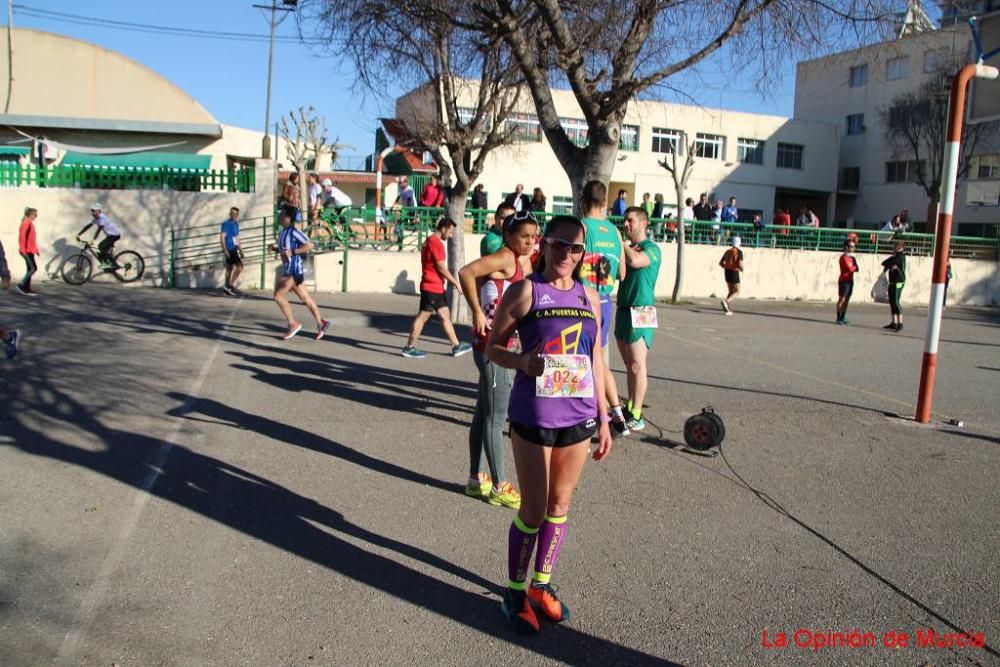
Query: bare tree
x,y
915,125
307,142
680,173
466,83
611,52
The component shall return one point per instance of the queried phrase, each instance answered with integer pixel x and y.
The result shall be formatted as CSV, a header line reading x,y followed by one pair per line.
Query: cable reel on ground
x,y
704,431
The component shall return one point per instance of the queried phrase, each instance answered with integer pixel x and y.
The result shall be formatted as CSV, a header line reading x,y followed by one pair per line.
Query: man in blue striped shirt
x,y
292,245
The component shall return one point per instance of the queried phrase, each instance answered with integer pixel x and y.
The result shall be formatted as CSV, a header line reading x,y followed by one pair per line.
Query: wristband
x,y
604,419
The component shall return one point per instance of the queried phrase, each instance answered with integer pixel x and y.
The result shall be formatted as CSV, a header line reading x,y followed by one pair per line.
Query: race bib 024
x,y
643,317
565,376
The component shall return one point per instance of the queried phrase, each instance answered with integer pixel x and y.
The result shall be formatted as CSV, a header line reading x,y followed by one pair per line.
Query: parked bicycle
x,y
127,266
335,229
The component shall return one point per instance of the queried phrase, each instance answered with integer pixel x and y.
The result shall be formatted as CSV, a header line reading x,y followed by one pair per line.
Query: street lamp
x,y
288,6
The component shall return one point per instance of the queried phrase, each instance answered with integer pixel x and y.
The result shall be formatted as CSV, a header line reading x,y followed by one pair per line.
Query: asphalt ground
x,y
180,487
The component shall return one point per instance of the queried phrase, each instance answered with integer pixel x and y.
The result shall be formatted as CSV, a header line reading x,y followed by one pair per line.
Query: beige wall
x,y
145,217
769,274
56,75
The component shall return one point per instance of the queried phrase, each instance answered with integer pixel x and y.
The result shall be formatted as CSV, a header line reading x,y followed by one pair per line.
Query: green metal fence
x,y
199,248
127,178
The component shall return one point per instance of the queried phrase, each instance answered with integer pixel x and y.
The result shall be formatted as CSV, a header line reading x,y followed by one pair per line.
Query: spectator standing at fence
x,y
895,272
434,273
405,196
314,190
292,246
229,238
493,238
619,205
647,205
479,202
703,210
730,213
538,201
783,219
27,243
688,213
290,198
845,284
814,220
732,265
657,212
433,194
518,199
635,316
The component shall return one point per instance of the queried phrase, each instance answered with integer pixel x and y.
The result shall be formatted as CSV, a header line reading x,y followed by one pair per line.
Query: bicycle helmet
x,y
327,182
95,207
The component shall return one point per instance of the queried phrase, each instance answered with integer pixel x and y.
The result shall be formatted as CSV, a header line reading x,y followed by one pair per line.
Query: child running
x,y
484,282
557,404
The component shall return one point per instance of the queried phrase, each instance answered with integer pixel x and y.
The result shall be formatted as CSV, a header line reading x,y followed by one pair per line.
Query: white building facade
x,y
876,179
764,161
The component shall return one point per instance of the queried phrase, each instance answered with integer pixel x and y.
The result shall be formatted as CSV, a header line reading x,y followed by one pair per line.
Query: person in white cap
x,y
105,249
732,264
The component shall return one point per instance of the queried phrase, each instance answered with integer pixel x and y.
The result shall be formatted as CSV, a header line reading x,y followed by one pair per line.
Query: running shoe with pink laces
x,y
505,495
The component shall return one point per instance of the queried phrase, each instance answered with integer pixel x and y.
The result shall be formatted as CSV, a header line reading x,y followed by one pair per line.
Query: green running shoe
x,y
507,496
479,488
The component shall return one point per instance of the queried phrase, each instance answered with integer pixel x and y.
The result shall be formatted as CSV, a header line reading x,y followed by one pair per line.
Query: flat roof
x,y
212,130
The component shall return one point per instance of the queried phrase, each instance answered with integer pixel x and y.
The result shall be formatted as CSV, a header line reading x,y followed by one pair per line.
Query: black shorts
x,y
732,277
431,302
845,290
234,258
556,437
297,277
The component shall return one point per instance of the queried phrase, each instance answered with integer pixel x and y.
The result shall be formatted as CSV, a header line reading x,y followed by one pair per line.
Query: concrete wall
x,y
769,274
146,218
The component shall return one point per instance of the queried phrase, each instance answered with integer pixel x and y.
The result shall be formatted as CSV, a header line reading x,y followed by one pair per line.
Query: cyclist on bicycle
x,y
111,235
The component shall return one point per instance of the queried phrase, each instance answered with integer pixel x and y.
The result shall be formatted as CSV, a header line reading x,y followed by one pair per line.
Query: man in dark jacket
x,y
704,210
518,199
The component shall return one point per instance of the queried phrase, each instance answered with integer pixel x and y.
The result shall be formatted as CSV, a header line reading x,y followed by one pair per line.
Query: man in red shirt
x,y
783,218
433,194
845,285
435,273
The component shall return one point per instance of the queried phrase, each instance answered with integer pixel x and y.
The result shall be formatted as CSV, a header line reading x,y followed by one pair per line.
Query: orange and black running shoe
x,y
545,597
520,615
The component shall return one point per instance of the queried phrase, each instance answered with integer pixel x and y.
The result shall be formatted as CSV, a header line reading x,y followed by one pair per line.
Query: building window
x,y
750,151
903,171
856,123
935,60
897,68
465,115
667,141
711,146
790,156
850,179
562,205
630,138
859,76
985,166
524,127
576,130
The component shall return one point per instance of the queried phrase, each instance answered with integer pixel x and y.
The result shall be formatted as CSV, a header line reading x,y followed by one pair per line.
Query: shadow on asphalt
x,y
677,449
264,510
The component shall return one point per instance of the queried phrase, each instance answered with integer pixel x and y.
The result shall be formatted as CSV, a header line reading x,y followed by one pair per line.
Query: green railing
x,y
127,178
199,248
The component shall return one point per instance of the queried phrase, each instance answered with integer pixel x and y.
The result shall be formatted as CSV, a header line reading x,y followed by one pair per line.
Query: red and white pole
x,y
942,245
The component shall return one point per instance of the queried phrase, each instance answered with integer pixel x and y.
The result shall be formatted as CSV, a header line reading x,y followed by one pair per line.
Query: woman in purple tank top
x,y
556,405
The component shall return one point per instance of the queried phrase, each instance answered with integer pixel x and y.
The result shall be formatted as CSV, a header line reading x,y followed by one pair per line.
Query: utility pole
x,y
289,6
10,54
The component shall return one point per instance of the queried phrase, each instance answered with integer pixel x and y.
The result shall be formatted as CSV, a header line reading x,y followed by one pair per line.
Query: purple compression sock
x,y
550,538
520,544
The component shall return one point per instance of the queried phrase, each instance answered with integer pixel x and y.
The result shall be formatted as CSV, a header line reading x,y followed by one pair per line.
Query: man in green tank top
x,y
636,316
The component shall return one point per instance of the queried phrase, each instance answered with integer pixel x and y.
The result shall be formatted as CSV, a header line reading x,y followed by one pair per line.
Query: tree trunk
x,y
679,275
930,226
597,165
455,209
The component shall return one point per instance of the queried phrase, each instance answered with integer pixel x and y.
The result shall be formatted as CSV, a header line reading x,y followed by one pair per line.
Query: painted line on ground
x,y
98,590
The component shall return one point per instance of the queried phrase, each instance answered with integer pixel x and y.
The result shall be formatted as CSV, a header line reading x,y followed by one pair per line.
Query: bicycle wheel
x,y
358,234
129,266
76,269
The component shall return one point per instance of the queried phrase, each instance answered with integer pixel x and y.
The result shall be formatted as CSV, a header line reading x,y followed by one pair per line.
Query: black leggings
x,y
31,267
105,247
895,290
